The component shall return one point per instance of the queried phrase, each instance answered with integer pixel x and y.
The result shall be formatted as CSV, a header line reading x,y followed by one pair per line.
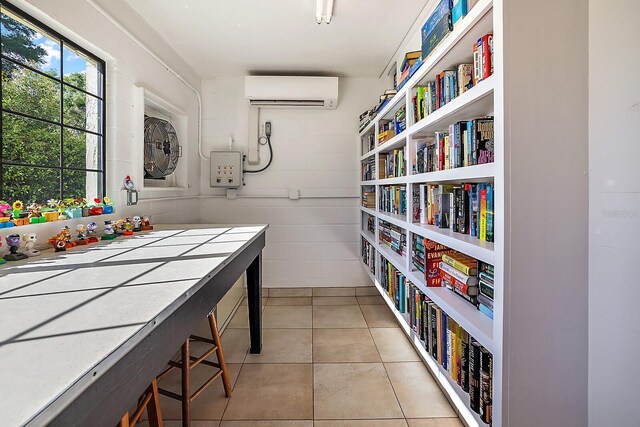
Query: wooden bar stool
x,y
149,401
192,361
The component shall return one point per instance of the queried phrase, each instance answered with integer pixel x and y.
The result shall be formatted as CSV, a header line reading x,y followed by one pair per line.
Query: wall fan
x,y
161,148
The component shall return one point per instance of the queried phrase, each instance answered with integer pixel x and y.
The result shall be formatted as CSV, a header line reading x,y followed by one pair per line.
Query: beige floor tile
x,y
371,300
334,292
335,301
331,316
286,317
290,301
290,292
209,405
435,422
393,345
279,423
272,392
353,391
240,319
379,316
363,291
411,379
284,346
343,345
235,343
360,423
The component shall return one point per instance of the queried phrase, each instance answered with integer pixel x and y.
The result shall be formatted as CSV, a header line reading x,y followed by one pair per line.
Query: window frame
x,y
102,107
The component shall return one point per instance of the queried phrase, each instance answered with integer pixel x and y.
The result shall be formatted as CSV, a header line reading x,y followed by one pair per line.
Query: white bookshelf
x,y
479,101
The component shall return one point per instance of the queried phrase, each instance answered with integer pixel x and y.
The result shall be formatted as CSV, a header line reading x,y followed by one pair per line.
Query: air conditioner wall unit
x,y
292,91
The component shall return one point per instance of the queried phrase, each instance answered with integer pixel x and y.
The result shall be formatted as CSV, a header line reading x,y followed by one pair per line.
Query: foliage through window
x,y
52,114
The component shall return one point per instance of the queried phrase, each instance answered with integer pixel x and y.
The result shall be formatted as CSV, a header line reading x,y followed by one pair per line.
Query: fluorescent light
x,y
329,11
319,10
324,11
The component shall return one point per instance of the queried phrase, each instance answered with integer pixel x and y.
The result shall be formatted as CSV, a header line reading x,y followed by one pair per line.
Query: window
x,y
52,132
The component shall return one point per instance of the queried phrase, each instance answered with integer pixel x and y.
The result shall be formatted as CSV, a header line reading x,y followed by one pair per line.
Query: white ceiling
x,y
232,37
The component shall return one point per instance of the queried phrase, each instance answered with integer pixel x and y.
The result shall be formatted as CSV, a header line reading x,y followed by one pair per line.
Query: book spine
x,y
464,268
474,375
462,287
483,214
489,214
486,384
485,310
461,277
487,55
464,361
486,290
443,338
440,11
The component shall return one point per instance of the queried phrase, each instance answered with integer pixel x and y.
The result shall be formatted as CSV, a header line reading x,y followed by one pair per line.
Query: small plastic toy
x,y
106,203
97,209
59,242
137,223
91,230
128,228
109,233
13,241
81,234
30,240
146,223
66,231
118,227
2,260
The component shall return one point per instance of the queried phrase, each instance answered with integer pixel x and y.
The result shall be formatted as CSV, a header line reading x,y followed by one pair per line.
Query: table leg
x,y
254,296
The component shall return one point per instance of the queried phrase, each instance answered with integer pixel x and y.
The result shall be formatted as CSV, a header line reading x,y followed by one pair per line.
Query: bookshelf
x,y
481,100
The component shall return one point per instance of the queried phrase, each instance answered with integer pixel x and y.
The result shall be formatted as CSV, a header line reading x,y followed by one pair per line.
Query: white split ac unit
x,y
293,91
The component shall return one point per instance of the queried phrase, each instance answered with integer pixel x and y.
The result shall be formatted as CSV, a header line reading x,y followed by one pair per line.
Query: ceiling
x,y
237,37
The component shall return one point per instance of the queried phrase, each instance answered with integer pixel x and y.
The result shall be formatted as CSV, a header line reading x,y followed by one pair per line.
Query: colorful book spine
x,y
463,263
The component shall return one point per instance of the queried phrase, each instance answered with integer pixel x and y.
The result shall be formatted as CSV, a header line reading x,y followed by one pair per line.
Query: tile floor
x,y
330,358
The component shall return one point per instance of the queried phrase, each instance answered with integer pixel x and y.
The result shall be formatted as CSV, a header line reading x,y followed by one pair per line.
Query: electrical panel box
x,y
226,169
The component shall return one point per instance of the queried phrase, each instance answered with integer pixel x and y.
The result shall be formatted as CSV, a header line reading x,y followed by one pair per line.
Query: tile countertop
x,y
94,299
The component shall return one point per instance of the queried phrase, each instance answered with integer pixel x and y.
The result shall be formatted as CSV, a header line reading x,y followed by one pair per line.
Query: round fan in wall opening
x,y
161,148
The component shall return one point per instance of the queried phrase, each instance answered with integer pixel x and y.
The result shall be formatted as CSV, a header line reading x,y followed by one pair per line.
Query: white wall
x,y
614,212
312,241
128,66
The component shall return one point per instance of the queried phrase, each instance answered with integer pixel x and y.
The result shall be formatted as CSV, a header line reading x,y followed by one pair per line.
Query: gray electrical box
x,y
226,169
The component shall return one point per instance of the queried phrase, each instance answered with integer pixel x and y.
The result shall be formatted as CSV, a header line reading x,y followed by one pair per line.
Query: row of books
x,y
466,143
410,64
393,127
392,164
466,361
371,224
368,143
393,236
369,198
367,116
393,199
369,255
368,169
463,208
485,288
448,85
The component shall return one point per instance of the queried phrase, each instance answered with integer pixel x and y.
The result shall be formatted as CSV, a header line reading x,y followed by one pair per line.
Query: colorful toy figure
x,y
13,241
137,223
146,223
118,227
82,236
128,228
30,240
2,260
109,233
91,229
66,231
59,242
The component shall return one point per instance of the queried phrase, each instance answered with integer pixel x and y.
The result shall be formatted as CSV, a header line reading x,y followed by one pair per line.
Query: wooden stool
x,y
149,401
186,397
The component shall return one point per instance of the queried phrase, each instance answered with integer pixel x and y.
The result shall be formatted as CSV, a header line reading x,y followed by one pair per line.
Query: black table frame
x,y
107,396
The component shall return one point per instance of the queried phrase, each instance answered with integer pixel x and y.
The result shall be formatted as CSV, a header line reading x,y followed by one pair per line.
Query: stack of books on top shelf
x,y
392,164
393,236
463,208
385,98
466,143
393,199
368,256
369,199
438,26
410,64
368,169
485,295
466,361
366,118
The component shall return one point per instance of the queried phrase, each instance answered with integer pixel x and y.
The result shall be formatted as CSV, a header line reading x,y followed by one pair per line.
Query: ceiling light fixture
x,y
324,10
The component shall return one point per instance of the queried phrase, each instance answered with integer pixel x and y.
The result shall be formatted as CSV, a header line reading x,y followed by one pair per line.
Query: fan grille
x,y
161,148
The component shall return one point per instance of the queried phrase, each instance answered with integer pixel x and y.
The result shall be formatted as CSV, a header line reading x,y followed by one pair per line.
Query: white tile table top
x,y
65,315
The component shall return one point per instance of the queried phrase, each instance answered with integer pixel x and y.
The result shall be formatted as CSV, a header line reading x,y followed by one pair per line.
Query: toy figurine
x,y
2,260
13,241
137,223
66,231
109,233
59,242
91,229
118,227
82,236
30,240
146,223
128,227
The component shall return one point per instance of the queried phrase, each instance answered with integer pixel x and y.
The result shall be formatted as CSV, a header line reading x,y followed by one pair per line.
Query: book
x,y
431,40
461,262
459,276
485,310
485,56
489,214
486,289
458,10
474,375
484,142
483,212
486,385
485,301
464,361
471,291
464,73
442,9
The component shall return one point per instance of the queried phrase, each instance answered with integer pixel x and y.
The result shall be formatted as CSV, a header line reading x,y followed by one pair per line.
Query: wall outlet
x,y
226,169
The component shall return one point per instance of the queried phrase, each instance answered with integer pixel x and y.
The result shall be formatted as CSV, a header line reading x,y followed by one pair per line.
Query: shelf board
x,y
464,243
458,397
476,102
394,105
369,237
465,314
369,128
475,173
396,219
369,211
397,141
395,258
391,181
367,155
371,182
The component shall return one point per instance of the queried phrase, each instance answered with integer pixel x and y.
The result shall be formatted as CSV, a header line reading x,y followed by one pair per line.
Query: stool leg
x,y
213,323
153,408
124,421
186,385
